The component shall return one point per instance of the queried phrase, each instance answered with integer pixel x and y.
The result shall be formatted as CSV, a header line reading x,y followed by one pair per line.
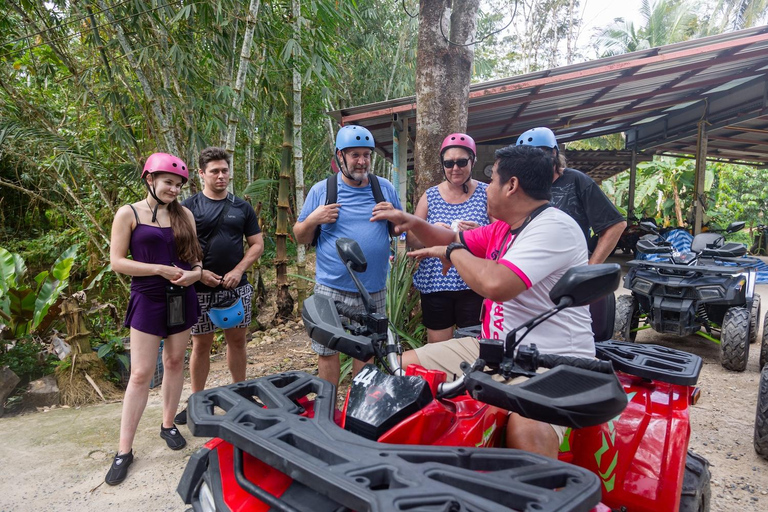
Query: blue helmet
x,y
353,136
539,137
227,312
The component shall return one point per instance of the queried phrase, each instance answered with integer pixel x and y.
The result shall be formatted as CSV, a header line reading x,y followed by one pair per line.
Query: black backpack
x,y
330,198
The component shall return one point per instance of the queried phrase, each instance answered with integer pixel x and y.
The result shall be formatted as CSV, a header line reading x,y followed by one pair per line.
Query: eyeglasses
x,y
461,162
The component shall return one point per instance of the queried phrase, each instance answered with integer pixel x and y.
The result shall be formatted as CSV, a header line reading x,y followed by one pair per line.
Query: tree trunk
x,y
284,299
442,81
678,208
298,154
242,71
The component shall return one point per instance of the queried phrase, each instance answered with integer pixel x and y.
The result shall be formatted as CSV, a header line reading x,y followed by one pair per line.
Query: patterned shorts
x,y
352,299
204,324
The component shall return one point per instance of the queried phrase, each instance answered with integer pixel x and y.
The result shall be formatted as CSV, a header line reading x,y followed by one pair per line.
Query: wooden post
x,y
632,178
701,167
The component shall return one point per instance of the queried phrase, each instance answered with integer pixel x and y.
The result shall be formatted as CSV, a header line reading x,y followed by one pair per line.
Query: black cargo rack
x,y
651,361
688,269
263,418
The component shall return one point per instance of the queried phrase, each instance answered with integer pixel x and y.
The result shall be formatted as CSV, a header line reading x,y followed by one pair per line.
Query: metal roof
x,y
600,164
618,94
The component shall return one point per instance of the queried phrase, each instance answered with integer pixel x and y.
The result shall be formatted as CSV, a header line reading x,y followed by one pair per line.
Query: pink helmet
x,y
163,162
459,140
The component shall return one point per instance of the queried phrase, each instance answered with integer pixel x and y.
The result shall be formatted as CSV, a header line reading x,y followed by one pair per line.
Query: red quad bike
x,y
411,441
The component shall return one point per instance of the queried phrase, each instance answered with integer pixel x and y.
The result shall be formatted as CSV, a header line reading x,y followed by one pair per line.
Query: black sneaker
x,y
119,469
172,437
181,418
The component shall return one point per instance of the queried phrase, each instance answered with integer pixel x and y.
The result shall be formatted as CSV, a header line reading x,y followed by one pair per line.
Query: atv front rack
x,y
652,362
673,268
263,417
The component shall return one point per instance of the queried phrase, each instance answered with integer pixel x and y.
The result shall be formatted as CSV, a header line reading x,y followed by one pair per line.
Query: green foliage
x,y
28,359
403,303
22,305
113,353
733,192
665,22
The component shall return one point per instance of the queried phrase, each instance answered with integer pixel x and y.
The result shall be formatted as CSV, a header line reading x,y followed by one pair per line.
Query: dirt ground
x,y
57,459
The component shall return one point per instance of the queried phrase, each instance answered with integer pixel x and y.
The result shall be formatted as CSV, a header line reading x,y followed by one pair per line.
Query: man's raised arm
x,y
428,234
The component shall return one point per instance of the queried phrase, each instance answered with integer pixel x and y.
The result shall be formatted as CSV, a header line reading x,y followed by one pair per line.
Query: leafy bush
x,y
112,352
23,305
28,359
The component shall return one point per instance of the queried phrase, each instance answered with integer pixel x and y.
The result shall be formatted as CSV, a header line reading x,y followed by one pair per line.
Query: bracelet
x,y
452,247
201,270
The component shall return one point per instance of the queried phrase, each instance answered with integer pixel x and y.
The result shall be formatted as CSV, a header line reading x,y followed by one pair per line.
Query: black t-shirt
x,y
579,196
226,246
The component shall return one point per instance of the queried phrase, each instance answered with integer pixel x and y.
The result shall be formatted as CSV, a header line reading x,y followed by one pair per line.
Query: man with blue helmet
x,y
348,215
579,196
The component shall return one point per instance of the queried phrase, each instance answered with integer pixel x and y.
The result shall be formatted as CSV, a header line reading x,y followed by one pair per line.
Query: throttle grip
x,y
552,360
348,311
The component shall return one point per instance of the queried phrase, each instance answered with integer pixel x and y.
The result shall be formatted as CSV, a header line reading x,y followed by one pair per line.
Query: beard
x,y
359,175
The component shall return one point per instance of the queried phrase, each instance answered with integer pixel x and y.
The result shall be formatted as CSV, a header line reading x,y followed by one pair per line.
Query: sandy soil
x,y
56,460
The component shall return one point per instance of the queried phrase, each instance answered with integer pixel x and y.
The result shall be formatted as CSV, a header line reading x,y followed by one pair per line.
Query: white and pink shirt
x,y
540,254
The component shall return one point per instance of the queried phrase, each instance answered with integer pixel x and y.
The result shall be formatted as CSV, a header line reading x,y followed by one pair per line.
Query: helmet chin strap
x,y
154,196
343,167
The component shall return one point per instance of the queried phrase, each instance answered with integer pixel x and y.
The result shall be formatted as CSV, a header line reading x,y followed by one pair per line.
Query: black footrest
x,y
651,361
263,417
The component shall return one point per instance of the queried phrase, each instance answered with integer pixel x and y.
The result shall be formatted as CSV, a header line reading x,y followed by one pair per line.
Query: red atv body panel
x,y
460,421
631,453
639,456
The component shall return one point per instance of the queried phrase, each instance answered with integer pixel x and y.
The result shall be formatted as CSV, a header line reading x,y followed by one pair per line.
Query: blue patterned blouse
x,y
429,277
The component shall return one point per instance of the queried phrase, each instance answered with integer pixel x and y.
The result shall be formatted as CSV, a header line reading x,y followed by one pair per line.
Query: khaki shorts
x,y
447,356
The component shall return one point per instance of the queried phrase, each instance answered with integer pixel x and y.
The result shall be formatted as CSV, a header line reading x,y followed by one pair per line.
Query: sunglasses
x,y
461,162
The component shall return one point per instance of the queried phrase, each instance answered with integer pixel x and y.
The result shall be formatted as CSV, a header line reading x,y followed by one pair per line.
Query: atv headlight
x,y
642,286
710,292
207,503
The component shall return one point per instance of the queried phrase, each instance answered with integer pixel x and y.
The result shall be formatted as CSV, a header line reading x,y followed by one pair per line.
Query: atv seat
x,y
706,241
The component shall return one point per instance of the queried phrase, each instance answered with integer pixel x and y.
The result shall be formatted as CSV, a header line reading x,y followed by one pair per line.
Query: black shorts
x,y
441,310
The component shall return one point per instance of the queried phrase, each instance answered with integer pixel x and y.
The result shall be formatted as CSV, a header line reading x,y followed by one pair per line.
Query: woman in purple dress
x,y
165,261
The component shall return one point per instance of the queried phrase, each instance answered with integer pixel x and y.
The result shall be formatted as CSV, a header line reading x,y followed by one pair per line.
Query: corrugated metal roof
x,y
602,164
618,94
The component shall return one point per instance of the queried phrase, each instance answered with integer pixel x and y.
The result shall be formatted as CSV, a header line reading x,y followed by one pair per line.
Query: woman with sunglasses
x,y
165,261
459,203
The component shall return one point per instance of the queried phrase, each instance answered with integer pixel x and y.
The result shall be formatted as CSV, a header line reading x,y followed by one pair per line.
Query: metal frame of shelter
x,y
706,97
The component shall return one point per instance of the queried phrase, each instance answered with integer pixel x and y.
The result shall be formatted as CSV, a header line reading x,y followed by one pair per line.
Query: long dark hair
x,y
187,244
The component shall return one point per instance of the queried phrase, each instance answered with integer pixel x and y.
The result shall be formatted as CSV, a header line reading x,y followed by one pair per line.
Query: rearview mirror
x,y
649,226
584,285
351,253
735,226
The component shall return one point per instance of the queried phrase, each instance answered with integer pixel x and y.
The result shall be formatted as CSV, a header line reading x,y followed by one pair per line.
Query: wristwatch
x,y
451,247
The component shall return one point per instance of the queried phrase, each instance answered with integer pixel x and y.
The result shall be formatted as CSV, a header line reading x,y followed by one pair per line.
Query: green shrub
x,y
28,359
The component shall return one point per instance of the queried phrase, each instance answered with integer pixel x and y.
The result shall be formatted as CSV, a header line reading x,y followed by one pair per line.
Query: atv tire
x,y
734,340
761,416
627,318
696,493
754,319
764,344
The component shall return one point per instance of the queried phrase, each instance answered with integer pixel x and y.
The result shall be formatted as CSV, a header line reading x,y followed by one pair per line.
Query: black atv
x,y
711,288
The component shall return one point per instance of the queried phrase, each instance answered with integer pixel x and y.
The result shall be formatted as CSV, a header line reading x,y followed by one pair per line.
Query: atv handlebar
x,y
350,312
595,365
